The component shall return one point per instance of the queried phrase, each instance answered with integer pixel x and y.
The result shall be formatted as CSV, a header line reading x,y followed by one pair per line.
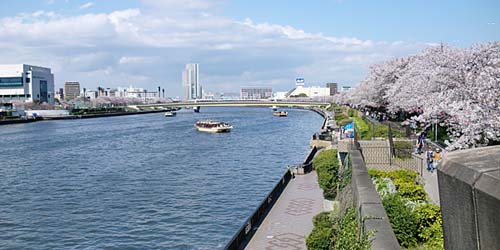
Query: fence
x,y
307,165
390,158
245,233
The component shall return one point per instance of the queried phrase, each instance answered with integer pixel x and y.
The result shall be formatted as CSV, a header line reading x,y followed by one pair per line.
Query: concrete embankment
x,y
70,117
17,121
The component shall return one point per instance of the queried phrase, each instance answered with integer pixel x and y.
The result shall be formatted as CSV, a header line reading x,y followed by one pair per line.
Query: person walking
x,y
420,142
437,159
292,173
429,156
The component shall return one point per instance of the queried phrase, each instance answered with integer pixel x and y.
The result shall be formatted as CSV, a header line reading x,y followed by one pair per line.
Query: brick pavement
x,y
290,220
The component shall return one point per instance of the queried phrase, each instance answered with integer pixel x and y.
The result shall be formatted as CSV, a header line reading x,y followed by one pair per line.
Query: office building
x,y
191,82
27,83
333,88
71,90
256,93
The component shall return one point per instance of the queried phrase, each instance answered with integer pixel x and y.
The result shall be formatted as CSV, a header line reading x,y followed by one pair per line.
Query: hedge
x,y
326,165
416,222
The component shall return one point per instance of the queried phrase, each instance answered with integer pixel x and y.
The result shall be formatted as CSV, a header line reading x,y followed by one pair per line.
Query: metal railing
x,y
245,233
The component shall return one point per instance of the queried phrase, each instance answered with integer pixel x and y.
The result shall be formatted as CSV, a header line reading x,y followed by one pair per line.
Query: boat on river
x,y
280,113
170,113
213,126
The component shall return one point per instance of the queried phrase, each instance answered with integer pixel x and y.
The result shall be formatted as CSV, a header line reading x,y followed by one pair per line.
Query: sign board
x,y
299,81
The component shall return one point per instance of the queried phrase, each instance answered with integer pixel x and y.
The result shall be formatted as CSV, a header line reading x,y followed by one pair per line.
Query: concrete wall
x,y
369,206
469,189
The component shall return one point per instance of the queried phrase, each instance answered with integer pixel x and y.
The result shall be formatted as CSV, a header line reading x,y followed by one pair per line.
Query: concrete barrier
x,y
369,208
469,190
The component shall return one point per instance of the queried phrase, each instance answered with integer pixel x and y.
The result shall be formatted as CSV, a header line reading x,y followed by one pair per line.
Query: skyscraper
x,y
71,90
190,82
333,88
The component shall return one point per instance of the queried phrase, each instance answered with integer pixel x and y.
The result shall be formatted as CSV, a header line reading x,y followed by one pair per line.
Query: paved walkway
x,y
290,220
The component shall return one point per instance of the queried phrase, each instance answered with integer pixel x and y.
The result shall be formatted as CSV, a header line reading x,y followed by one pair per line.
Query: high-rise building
x,y
333,88
71,90
191,82
256,93
22,82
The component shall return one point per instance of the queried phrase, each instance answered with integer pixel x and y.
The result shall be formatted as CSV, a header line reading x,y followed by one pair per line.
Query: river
x,y
142,181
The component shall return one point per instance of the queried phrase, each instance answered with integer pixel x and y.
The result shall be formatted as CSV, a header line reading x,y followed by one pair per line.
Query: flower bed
x,y
416,222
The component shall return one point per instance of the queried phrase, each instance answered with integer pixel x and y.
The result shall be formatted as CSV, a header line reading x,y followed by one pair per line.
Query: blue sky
x,y
238,43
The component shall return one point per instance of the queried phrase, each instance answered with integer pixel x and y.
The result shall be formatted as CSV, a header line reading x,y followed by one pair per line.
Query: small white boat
x,y
170,113
213,126
280,113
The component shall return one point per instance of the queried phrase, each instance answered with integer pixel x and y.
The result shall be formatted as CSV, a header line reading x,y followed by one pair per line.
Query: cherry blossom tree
x,y
459,87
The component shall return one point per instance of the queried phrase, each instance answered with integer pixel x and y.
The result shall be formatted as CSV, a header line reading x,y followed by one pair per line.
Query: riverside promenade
x,y
290,220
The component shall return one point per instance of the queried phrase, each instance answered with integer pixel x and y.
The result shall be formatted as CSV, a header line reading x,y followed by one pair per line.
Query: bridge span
x,y
238,103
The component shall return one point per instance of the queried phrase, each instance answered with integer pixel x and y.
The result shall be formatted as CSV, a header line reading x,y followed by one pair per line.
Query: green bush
x,y
362,128
430,228
411,191
321,235
347,235
337,233
403,221
326,165
403,149
347,175
351,113
421,225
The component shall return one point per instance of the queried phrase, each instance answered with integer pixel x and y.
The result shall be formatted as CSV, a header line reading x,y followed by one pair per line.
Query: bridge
x,y
235,103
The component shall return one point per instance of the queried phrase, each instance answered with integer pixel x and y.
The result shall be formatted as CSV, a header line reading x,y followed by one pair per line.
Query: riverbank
x,y
280,207
71,117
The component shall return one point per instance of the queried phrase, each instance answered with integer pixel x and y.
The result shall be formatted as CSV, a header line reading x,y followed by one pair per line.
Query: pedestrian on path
x,y
292,173
437,158
429,156
420,142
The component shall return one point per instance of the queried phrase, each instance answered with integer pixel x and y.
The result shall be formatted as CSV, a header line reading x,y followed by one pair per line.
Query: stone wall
x,y
369,206
469,189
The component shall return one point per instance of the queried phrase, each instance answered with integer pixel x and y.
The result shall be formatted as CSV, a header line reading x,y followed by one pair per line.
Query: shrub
x,y
362,128
321,235
402,220
326,166
429,222
414,220
347,235
403,149
351,113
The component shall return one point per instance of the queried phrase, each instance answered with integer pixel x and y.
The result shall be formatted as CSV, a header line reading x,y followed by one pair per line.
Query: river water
x,y
142,181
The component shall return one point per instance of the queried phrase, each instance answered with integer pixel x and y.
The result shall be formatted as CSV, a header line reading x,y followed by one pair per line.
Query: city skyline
x,y
147,43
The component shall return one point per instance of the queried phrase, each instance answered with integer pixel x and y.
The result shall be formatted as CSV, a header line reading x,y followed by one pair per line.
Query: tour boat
x,y
170,113
213,126
280,113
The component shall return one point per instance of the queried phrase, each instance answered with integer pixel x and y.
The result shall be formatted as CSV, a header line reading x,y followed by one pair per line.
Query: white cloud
x,y
145,47
86,5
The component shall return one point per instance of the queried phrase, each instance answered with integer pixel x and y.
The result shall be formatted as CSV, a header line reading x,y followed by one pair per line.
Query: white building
x,y
191,82
132,92
280,95
26,83
313,91
255,93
